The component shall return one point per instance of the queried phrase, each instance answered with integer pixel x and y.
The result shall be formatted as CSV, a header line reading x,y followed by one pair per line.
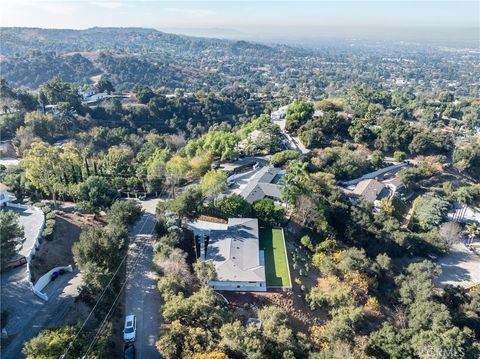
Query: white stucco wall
x,y
43,281
238,286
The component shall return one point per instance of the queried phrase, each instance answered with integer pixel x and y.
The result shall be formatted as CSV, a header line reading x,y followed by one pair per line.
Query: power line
x,y
98,301
102,325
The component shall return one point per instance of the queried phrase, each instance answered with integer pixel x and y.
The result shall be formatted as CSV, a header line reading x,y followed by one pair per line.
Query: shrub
x,y
50,223
307,242
281,158
399,156
47,233
51,215
46,209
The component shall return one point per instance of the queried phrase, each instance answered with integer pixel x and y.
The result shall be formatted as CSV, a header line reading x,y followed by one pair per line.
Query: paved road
x,y
142,297
294,143
31,220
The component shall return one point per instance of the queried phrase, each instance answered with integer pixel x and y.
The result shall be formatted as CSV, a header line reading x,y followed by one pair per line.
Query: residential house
x,y
235,252
371,190
86,94
96,98
263,184
279,114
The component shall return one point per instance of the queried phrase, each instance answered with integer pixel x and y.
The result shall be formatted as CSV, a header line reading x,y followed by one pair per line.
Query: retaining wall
x,y
372,175
43,281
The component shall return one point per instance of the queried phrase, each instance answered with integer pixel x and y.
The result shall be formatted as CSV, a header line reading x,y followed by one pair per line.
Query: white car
x,y
130,330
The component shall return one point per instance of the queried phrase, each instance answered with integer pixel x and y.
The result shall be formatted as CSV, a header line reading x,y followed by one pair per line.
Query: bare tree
x,y
450,233
176,264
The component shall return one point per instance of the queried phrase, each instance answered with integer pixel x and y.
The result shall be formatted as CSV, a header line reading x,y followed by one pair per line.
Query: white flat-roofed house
x,y
279,114
86,94
235,251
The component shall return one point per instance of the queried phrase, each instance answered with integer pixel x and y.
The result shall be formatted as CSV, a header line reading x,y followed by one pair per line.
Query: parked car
x,y
129,351
16,261
130,329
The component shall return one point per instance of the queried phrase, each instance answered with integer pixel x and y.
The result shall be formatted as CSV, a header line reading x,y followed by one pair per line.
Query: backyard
x,y
272,242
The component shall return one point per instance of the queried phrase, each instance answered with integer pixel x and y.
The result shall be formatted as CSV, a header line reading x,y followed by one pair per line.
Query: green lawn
x,y
276,264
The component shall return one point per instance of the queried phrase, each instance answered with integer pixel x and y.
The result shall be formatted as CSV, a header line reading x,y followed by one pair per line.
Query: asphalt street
x,y
142,297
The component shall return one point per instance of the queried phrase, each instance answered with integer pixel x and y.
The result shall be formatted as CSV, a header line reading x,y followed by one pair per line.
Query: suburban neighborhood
x,y
265,186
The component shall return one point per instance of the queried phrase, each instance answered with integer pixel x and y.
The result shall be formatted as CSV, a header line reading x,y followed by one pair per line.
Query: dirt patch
x,y
58,251
246,304
212,219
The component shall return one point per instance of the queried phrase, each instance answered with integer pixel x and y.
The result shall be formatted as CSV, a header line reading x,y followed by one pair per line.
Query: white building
x,y
235,251
86,94
279,114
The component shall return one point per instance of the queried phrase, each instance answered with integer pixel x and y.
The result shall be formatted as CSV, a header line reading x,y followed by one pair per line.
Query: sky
x,y
250,19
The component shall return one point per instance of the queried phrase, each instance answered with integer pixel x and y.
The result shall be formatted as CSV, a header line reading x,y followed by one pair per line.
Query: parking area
x,y
28,314
460,267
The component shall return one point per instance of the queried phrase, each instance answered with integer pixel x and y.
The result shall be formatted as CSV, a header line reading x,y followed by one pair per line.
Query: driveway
x,y
142,297
294,143
463,214
28,314
31,220
459,267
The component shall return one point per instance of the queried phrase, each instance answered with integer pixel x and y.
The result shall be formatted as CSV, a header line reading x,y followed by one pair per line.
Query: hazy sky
x,y
293,18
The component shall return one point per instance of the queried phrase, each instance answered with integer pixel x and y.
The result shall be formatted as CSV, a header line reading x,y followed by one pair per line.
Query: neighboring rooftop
x,y
235,251
261,185
370,189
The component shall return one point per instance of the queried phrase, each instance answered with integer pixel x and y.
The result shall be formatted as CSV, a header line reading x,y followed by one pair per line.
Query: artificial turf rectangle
x,y
272,243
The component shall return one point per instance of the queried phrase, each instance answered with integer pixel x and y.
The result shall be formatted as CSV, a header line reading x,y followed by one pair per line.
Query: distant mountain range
x,y
130,56
133,40
137,56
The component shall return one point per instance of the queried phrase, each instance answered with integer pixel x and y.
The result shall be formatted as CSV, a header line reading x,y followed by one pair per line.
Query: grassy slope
x,y
276,267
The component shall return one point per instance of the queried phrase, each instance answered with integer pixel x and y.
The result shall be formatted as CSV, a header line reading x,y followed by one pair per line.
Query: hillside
x,y
136,56
130,56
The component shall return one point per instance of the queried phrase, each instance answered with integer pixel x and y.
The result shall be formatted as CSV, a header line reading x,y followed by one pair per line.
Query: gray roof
x,y
261,185
369,189
235,251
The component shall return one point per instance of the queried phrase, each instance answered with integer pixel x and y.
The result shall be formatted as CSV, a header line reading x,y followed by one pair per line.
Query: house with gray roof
x,y
235,250
371,190
263,184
